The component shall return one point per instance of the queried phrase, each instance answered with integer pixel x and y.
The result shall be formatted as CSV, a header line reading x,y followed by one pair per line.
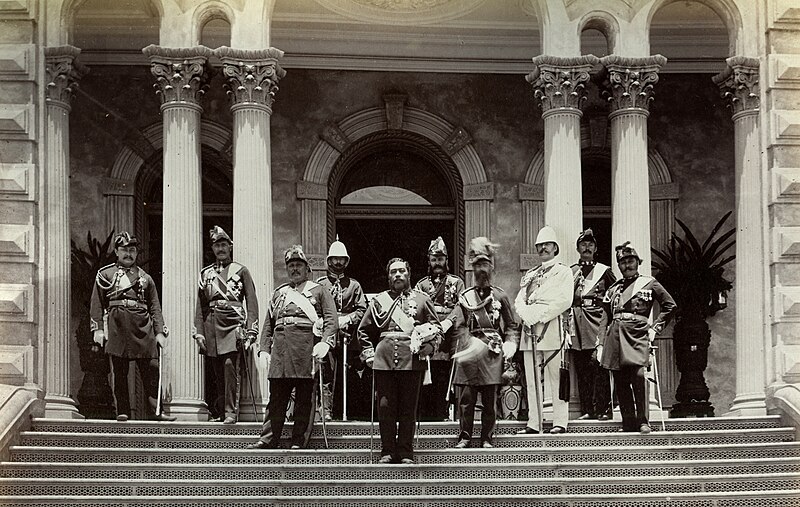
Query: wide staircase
x,y
724,462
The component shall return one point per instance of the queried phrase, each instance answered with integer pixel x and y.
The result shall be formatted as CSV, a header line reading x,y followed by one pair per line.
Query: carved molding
x,y
115,186
395,104
665,191
560,82
313,191
63,72
456,141
401,12
335,136
738,84
181,73
16,364
317,261
629,82
528,261
16,242
17,121
786,182
479,192
17,62
16,182
252,75
785,12
16,302
529,192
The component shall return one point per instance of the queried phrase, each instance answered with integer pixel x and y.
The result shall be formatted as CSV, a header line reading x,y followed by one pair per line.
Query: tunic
x,y
591,283
288,334
545,293
350,301
127,298
226,300
444,292
627,308
483,321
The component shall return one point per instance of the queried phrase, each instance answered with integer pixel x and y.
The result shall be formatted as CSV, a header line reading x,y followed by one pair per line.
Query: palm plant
x,y
692,272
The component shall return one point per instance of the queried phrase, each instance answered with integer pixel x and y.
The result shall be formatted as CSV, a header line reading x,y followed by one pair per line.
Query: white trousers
x,y
560,408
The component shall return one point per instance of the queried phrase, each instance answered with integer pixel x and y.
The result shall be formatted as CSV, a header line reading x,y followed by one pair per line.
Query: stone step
x,y
346,487
361,456
367,472
239,441
754,498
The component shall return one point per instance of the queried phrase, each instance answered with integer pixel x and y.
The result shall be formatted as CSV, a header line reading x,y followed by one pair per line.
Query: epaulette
x,y
310,285
455,278
203,270
282,288
499,289
322,279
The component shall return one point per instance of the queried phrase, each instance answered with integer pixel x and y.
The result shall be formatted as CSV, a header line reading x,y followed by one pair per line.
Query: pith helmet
x,y
481,248
437,247
217,233
626,250
586,235
546,235
295,252
337,249
125,239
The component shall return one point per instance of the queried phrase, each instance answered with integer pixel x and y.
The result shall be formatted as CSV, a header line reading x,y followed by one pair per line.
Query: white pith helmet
x,y
337,249
547,235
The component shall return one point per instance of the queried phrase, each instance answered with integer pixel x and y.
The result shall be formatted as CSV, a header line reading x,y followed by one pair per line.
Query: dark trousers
x,y
226,377
594,387
398,394
148,369
280,390
433,404
467,397
629,384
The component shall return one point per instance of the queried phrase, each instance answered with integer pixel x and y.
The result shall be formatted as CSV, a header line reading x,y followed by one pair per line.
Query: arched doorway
x,y
391,195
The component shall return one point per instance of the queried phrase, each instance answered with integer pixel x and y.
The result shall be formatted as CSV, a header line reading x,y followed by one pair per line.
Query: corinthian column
x,y
739,86
629,91
62,75
559,85
252,77
181,75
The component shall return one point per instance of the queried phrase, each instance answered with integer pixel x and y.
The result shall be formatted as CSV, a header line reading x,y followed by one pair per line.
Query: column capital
x,y
629,81
181,74
252,75
738,84
63,72
559,82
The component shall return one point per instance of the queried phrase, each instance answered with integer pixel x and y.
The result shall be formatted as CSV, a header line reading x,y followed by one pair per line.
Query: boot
x,y
327,400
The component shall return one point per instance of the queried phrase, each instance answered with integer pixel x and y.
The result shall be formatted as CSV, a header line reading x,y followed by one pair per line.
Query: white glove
x,y
262,359
599,352
446,324
344,321
320,351
651,334
317,328
201,341
99,337
161,340
509,349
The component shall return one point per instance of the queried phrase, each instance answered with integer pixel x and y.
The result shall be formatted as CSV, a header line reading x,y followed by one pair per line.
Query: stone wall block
x,y
786,243
16,302
17,121
786,126
16,364
18,9
16,243
17,62
17,182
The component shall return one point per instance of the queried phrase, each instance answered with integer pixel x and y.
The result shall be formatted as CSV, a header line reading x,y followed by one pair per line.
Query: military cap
x,y
587,235
437,247
217,233
481,248
626,250
294,253
125,239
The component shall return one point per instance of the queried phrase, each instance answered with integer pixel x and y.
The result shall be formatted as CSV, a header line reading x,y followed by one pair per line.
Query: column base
x,y
187,410
61,407
692,409
246,413
747,405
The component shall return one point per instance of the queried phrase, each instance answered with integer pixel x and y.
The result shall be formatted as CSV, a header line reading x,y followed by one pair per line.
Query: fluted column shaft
x,y
739,86
62,75
559,86
180,81
252,77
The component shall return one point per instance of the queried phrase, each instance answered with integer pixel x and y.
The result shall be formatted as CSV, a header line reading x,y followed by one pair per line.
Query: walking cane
x,y
372,417
658,388
160,374
537,380
245,360
345,343
322,407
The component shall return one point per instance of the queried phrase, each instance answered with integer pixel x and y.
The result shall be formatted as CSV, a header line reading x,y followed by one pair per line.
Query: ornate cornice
x,y
738,84
63,72
252,75
559,82
629,81
181,73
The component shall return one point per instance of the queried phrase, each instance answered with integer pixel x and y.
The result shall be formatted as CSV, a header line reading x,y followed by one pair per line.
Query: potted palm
x,y
692,272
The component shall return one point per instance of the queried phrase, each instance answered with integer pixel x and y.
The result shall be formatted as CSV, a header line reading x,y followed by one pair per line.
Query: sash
x,y
302,302
402,320
594,277
633,288
469,300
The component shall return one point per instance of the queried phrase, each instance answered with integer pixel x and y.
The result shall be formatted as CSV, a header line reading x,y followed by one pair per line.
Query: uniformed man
x,y
443,288
125,313
298,333
545,295
485,333
592,279
226,318
350,305
628,334
399,330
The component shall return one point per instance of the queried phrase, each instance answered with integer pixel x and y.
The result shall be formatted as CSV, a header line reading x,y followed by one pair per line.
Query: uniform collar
x,y
334,277
552,262
590,263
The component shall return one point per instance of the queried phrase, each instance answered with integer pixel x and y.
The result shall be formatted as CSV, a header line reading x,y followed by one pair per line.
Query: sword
x,y
372,418
344,378
537,380
245,359
160,374
658,388
322,407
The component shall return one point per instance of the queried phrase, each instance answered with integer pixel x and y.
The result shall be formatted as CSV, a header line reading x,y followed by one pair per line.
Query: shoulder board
x,y
646,277
602,266
423,279
454,278
234,267
498,289
282,288
321,279
206,268
142,272
468,289
576,265
310,285
419,291
112,265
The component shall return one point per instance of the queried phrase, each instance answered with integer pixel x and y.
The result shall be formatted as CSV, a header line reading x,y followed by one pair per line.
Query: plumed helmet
x,y
437,247
294,252
337,249
217,233
586,235
125,239
547,235
481,248
626,250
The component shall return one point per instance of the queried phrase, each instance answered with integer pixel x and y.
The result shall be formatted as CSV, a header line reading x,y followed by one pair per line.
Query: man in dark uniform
x,y
485,332
350,305
126,313
592,279
398,331
628,334
298,333
443,289
226,318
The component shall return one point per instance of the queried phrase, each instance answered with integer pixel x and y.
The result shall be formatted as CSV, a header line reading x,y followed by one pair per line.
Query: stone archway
x,y
395,116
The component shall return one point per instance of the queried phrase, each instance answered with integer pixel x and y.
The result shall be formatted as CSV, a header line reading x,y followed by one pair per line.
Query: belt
x,y
224,303
395,335
441,309
128,303
629,316
292,321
